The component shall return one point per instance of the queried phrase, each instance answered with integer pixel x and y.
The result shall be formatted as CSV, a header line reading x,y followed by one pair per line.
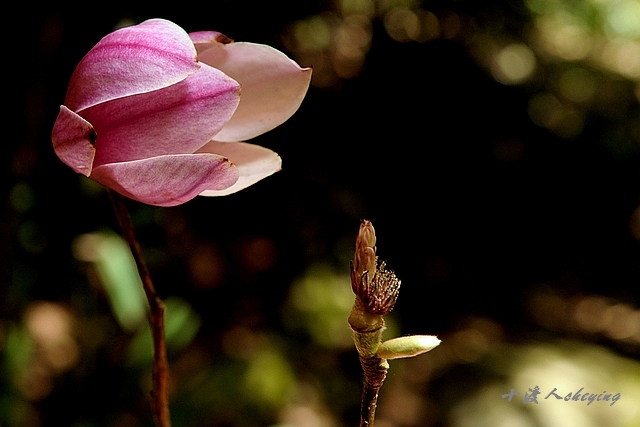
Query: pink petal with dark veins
x,y
167,180
178,119
73,141
203,39
137,59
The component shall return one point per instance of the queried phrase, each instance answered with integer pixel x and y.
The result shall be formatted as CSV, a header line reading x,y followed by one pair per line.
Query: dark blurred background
x,y
495,146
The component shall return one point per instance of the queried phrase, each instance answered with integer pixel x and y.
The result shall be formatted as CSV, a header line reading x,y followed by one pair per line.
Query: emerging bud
x,y
375,287
364,260
367,233
410,346
376,290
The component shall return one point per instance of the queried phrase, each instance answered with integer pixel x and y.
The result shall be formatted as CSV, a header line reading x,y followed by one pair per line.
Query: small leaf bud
x,y
410,346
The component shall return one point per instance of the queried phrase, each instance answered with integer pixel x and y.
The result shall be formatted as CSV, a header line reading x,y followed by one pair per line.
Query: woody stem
x,y
375,371
160,400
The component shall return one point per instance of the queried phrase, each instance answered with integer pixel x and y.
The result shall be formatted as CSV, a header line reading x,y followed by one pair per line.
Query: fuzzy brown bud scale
x,y
378,293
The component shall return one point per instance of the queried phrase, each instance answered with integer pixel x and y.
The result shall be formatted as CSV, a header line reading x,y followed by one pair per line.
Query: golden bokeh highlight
x,y
337,42
557,35
513,64
577,84
593,315
561,118
402,24
42,348
51,326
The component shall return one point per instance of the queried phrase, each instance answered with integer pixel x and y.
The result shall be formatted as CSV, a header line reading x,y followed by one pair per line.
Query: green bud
x,y
410,346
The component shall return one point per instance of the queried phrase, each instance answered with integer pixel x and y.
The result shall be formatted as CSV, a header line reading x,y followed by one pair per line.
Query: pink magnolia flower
x,y
157,114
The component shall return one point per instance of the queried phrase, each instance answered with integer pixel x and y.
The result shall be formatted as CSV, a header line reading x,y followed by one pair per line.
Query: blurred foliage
x,y
494,145
318,304
116,269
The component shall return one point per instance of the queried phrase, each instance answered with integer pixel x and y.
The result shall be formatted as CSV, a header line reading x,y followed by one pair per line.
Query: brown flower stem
x,y
375,371
160,400
368,405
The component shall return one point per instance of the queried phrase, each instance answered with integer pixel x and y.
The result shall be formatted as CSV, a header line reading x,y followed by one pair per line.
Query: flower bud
x,y
375,287
157,115
367,233
364,259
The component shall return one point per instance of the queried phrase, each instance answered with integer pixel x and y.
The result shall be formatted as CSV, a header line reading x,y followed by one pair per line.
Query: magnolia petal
x,y
203,39
137,59
178,119
167,180
273,86
73,138
253,162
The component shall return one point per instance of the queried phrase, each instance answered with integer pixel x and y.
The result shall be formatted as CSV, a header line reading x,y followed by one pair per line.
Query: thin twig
x,y
375,371
160,400
368,405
